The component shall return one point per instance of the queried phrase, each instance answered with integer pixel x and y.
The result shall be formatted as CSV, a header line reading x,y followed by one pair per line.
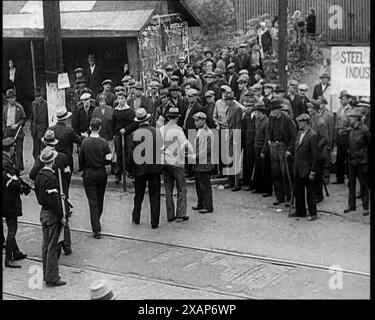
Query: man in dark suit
x,y
178,101
85,109
111,98
39,121
153,100
302,90
232,78
94,76
295,99
166,82
322,87
242,60
180,72
139,100
65,135
145,171
305,167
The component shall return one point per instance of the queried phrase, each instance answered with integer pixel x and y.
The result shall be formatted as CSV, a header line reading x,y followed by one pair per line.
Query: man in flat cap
x,y
279,93
39,121
178,101
281,138
153,99
342,129
295,99
321,130
166,82
180,71
210,85
139,100
11,203
94,76
204,143
220,77
242,84
321,89
158,117
359,143
305,167
232,77
268,96
14,119
302,91
209,108
111,98
79,89
242,60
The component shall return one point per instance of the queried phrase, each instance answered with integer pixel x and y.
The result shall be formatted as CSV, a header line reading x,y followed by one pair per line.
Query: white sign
x,y
63,81
350,70
55,100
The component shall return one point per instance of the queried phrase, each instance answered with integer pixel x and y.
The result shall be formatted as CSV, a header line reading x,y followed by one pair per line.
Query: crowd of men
x,y
284,139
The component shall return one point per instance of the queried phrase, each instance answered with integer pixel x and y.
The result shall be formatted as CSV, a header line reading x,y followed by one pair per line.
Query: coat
x,y
11,203
306,154
190,123
260,135
111,98
209,111
297,105
321,130
66,137
181,104
94,81
327,118
81,121
20,121
166,83
266,42
234,121
39,119
106,131
234,85
204,143
215,88
143,103
155,145
359,144
181,76
318,91
242,62
248,130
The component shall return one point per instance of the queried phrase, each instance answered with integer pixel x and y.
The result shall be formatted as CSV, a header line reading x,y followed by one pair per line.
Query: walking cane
x,y
123,163
291,187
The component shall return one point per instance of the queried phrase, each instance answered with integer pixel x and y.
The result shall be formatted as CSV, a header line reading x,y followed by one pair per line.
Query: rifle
x,y
17,133
291,187
62,196
25,187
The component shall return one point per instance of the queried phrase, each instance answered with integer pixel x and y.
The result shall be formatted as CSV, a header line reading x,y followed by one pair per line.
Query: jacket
x,y
106,131
321,130
306,154
318,91
204,143
143,103
248,130
359,143
152,141
260,136
234,122
111,98
242,62
180,75
191,110
46,190
66,137
234,85
211,86
94,80
12,189
81,121
297,104
287,127
20,121
39,119
327,118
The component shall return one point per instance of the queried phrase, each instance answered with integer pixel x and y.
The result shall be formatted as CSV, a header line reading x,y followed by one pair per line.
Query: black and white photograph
x,y
199,151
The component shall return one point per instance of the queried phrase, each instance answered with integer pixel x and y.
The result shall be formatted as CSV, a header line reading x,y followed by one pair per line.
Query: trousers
x,y
37,147
118,148
341,158
95,183
279,172
262,172
11,243
248,162
172,175
51,250
362,173
300,184
18,154
153,182
204,190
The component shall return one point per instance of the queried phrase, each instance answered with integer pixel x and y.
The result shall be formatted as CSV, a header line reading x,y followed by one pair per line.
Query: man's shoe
x,y
267,195
18,255
11,264
248,188
134,222
182,219
203,211
68,252
97,235
196,208
338,182
287,204
154,227
348,209
255,191
366,212
56,284
319,200
228,186
312,218
236,189
171,220
277,202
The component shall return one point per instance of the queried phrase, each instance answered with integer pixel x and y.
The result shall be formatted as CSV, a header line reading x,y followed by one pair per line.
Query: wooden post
x,y
133,57
53,55
283,44
33,62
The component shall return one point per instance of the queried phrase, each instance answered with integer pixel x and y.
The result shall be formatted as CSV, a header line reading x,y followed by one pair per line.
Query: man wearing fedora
x,y
94,155
65,135
39,121
61,162
139,100
173,162
111,98
14,117
358,153
321,89
11,203
51,217
146,171
100,290
305,168
93,75
342,129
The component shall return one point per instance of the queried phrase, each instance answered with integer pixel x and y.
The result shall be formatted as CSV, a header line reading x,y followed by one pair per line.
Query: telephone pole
x,y
53,55
283,42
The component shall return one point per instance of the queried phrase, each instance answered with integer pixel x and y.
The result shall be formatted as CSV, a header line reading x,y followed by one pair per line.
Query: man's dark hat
x,y
173,112
82,80
275,104
279,89
38,92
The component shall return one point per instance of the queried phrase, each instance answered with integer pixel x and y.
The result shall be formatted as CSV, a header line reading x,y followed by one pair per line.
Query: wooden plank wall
x,y
356,17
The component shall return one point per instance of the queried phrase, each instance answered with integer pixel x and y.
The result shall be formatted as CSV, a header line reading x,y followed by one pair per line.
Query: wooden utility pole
x,y
283,42
53,55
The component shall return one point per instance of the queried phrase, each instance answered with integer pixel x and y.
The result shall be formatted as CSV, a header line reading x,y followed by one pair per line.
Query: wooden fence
x,y
356,17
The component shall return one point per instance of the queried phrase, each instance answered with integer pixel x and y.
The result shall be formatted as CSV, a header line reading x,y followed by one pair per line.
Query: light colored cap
x,y
200,115
85,96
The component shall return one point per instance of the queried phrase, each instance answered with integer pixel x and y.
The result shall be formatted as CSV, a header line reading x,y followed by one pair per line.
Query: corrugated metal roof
x,y
100,21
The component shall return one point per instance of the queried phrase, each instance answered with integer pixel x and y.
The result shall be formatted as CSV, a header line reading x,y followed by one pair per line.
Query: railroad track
x,y
270,260
16,296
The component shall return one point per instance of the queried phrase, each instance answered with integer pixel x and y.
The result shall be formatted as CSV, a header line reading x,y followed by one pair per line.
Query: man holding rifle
x,y
12,205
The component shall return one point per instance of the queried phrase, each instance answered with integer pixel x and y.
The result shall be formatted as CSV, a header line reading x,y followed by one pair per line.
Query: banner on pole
x,y
55,99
